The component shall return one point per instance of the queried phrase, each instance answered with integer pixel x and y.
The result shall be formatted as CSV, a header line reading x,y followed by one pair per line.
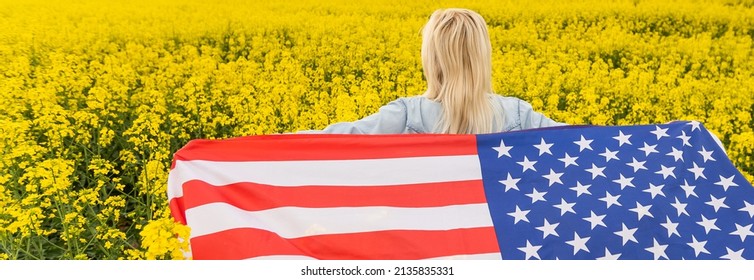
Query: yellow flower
x,y
163,238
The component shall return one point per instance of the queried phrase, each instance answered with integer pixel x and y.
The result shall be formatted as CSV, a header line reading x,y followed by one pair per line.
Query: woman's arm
x,y
534,119
390,119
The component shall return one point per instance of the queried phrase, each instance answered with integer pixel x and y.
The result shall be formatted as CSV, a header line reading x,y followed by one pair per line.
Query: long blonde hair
x,y
456,55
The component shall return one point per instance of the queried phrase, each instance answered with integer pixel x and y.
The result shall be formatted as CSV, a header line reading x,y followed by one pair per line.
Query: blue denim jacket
x,y
418,114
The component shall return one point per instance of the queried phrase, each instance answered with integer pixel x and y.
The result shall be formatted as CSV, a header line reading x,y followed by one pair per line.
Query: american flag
x,y
664,191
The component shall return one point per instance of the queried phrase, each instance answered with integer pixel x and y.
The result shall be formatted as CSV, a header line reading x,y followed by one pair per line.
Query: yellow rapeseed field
x,y
95,96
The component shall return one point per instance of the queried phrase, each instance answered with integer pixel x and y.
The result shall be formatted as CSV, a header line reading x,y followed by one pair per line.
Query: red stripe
x,y
178,209
383,245
327,147
253,197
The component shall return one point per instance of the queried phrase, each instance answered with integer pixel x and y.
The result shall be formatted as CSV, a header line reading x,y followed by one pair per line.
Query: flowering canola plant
x,y
96,96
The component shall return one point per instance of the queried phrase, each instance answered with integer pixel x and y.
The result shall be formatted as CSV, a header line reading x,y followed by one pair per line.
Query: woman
x,y
456,55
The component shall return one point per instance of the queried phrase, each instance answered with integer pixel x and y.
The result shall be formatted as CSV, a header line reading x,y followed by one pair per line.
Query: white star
x,y
733,255
694,125
553,177
530,251
519,215
688,189
717,203
743,232
648,149
609,256
581,189
655,190
627,234
565,207
708,224
671,227
548,229
685,138
568,160
610,199
595,220
637,165
544,148
698,246
726,182
698,171
536,196
584,144
666,171
707,155
657,250
659,132
641,211
503,149
578,243
596,171
680,207
624,182
748,208
622,138
510,183
608,154
527,164
676,153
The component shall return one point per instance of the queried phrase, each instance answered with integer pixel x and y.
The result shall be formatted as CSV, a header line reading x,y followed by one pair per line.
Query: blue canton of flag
x,y
624,192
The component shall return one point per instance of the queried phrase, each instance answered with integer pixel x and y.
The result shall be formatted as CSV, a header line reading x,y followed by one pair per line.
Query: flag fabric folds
x,y
597,192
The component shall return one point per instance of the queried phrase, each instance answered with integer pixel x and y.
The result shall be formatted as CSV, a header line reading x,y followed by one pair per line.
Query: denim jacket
x,y
418,114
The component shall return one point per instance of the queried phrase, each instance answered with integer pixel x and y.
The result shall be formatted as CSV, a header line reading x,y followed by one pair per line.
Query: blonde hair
x,y
456,55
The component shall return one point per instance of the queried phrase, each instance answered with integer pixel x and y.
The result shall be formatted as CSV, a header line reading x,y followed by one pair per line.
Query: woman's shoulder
x,y
520,114
422,113
419,104
409,103
415,99
508,101
512,106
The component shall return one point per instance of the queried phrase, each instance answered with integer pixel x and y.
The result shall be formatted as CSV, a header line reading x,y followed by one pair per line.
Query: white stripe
x,y
365,172
489,256
294,222
282,257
